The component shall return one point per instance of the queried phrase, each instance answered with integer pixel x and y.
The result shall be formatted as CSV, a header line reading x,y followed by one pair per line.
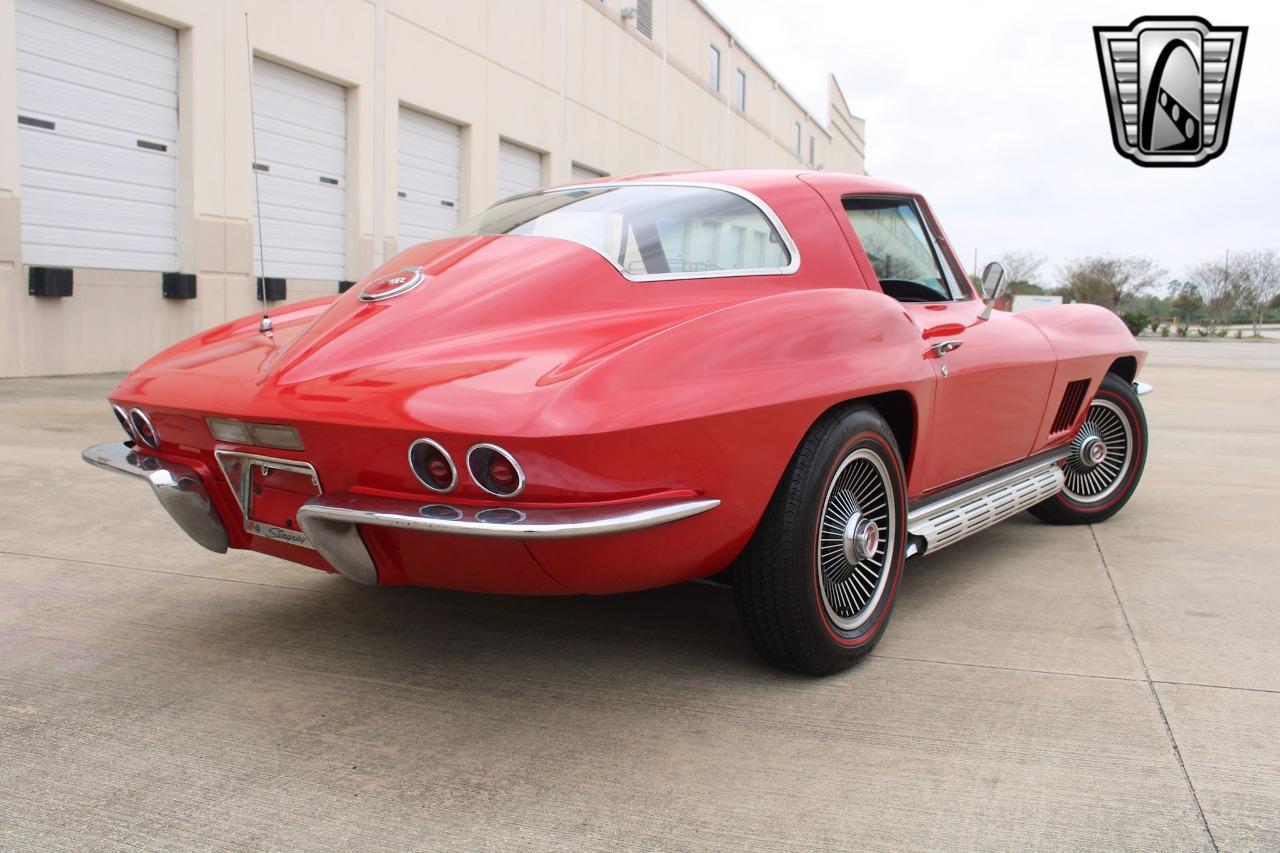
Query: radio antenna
x,y
264,326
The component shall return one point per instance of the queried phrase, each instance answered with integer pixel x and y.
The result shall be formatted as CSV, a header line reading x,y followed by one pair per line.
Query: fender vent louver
x,y
1072,400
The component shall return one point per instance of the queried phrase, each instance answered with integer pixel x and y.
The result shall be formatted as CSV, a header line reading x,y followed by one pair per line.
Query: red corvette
x,y
625,384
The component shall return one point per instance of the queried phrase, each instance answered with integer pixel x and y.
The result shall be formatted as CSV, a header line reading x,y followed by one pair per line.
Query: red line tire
x,y
1087,498
803,608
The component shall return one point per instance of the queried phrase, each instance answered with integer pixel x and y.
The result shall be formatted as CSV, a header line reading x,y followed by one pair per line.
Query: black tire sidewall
x,y
1061,509
1121,393
860,429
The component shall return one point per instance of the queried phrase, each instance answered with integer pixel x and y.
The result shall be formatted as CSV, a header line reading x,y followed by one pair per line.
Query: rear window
x,y
649,231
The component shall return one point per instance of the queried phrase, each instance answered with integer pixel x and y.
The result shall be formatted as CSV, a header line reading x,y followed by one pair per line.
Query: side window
x,y
900,252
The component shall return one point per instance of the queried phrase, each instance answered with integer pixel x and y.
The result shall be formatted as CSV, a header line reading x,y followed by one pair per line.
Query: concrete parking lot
x,y
1040,687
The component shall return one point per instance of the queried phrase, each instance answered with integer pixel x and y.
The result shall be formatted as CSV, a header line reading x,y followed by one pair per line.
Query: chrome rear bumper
x,y
177,486
331,520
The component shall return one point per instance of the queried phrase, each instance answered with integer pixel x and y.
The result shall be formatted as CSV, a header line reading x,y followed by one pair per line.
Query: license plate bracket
x,y
281,486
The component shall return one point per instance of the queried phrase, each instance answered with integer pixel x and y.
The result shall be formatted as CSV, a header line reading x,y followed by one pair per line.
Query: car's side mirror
x,y
993,287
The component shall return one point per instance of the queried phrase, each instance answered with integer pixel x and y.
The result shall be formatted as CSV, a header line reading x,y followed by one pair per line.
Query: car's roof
x,y
759,180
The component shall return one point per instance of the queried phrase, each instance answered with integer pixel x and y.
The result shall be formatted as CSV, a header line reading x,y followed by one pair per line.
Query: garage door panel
x,y
301,263
284,153
420,130
106,79
309,203
297,85
430,168
72,137
113,48
582,173
328,232
325,121
298,107
300,130
294,259
301,138
96,213
129,119
127,165
61,83
519,169
37,254
102,22
429,219
427,183
429,177
48,53
71,183
51,234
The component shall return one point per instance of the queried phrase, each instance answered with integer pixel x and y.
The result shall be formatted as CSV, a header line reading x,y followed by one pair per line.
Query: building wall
x,y
570,78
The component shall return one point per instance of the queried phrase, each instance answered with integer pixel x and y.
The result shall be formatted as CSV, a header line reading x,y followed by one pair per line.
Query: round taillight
x,y
495,470
122,419
143,429
432,466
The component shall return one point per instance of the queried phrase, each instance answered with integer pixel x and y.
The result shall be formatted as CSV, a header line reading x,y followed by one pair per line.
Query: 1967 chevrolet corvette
x,y
624,384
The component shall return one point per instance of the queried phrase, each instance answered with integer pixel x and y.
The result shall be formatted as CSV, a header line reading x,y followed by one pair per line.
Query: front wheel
x,y
1106,461
815,585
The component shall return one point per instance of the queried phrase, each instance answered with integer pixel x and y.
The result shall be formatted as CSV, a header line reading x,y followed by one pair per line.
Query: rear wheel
x,y
1106,461
815,585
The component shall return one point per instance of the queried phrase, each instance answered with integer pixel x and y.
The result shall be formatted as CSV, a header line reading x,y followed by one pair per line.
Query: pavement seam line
x,y
1006,668
1155,694
1065,674
1218,686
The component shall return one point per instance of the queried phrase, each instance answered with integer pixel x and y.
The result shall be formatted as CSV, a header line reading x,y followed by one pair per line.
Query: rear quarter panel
x,y
724,400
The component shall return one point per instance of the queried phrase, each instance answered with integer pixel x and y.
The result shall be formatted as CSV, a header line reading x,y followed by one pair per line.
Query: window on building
x,y
713,68
799,136
740,90
644,17
813,151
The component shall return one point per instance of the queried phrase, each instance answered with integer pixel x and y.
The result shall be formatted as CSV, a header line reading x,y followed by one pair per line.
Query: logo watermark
x,y
1170,84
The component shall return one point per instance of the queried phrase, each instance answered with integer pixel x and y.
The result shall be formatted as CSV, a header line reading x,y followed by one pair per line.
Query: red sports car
x,y
624,384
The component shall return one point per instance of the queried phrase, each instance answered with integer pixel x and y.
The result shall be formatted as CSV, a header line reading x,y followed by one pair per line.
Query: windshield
x,y
648,230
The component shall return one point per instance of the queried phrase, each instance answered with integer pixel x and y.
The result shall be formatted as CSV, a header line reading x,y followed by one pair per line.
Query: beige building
x,y
126,176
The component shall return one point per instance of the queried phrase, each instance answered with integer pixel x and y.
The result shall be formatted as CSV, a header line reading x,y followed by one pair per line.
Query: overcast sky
x,y
995,112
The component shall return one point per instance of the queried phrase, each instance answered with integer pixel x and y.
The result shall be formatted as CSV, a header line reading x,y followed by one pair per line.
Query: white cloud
x,y
995,112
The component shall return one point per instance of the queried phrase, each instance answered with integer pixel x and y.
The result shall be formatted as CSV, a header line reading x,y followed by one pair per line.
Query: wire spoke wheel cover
x,y
1101,454
855,541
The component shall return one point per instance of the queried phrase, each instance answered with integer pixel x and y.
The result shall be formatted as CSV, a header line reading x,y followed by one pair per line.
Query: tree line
x,y
1239,287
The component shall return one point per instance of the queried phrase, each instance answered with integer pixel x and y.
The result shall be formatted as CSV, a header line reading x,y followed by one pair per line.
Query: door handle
x,y
941,348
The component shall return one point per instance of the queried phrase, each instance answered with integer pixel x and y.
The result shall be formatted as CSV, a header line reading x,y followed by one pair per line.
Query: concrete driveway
x,y
1048,688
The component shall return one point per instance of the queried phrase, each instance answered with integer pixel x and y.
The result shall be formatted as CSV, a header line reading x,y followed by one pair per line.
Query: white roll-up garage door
x,y
97,137
429,185
301,125
582,173
519,169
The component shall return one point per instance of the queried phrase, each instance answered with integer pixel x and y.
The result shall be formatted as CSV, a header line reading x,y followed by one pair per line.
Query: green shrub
x,y
1164,331
1136,321
1182,331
